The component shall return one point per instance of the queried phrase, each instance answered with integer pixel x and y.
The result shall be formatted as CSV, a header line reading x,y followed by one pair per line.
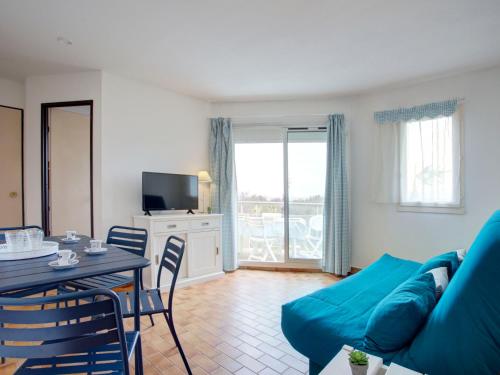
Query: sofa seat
x,y
319,324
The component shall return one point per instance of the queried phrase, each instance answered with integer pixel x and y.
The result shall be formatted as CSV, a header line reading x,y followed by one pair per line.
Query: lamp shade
x,y
203,176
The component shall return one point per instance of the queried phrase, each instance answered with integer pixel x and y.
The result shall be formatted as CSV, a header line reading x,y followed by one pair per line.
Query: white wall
x,y
419,235
141,127
379,228
11,93
145,128
57,88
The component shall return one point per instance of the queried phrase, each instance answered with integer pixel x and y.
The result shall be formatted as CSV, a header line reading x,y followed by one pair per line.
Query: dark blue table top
x,y
28,273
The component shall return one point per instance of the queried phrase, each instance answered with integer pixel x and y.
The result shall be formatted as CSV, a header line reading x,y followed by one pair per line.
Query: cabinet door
x,y
203,253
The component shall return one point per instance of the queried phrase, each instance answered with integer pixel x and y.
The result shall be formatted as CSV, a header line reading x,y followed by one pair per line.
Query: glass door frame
x,y
301,262
288,262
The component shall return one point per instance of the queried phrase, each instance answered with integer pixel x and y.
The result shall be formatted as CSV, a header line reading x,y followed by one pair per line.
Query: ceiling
x,y
252,49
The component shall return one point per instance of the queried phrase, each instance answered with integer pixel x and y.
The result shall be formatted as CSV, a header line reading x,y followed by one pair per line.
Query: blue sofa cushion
x,y
462,334
448,260
319,324
399,316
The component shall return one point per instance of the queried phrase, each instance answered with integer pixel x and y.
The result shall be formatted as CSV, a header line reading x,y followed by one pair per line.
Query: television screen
x,y
166,191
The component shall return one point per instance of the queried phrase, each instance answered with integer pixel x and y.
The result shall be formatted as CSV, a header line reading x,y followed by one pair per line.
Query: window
x,y
430,164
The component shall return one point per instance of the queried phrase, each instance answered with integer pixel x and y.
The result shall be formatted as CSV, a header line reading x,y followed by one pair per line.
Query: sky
x,y
259,169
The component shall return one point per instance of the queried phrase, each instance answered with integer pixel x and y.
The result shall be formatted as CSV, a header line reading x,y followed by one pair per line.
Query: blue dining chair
x,y
130,239
21,293
77,338
151,300
27,291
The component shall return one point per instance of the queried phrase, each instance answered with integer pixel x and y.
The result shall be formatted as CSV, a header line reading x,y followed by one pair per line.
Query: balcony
x,y
261,230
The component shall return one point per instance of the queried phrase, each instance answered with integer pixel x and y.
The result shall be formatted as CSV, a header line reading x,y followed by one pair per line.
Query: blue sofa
x,y
461,335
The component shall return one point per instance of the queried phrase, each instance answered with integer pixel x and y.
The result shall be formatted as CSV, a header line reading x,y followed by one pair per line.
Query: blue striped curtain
x,y
336,225
224,187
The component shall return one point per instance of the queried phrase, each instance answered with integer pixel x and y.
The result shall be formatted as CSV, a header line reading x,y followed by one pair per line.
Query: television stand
x,y
202,256
190,212
147,213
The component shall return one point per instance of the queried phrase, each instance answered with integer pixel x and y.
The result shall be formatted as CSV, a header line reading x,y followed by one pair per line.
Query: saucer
x,y
68,241
102,250
55,264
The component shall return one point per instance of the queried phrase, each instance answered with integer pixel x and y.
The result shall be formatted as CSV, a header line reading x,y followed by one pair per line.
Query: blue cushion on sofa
x,y
462,333
448,260
400,315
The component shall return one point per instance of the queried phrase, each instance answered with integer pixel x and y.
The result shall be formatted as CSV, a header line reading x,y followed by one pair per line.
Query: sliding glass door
x,y
305,193
280,176
259,181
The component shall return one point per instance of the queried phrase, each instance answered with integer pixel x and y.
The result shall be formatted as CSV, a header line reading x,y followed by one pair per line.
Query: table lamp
x,y
204,178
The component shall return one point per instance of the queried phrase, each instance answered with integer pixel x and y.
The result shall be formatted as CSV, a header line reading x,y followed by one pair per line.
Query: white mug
x,y
70,234
66,257
95,245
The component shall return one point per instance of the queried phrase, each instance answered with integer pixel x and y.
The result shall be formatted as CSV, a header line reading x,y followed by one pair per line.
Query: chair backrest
x,y
255,226
297,228
316,223
130,239
171,260
85,338
3,230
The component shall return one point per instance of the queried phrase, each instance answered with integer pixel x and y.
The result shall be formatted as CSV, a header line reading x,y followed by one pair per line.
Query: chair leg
x,y
170,324
58,305
152,320
141,280
45,295
2,359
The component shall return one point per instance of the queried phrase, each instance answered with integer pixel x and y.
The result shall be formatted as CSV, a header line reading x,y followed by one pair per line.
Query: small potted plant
x,y
358,362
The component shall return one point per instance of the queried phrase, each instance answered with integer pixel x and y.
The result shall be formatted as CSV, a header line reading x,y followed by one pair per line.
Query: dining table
x,y
35,272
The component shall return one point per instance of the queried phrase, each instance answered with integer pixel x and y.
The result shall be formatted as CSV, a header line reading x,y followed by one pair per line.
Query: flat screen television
x,y
167,191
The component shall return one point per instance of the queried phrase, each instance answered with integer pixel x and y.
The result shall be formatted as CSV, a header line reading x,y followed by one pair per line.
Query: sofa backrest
x,y
462,334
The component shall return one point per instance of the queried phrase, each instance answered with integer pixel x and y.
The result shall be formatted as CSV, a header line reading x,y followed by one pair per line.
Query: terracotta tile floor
x,y
228,326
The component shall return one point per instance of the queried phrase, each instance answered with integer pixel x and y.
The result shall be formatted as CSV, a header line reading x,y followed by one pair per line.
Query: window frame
x,y
459,208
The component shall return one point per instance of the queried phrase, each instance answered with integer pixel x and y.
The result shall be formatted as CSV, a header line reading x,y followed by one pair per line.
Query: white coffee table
x,y
339,365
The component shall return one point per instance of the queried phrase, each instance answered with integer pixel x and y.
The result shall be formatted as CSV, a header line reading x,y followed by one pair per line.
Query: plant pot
x,y
358,369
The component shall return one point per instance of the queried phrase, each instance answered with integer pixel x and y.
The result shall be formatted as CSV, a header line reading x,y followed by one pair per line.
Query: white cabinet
x,y
202,259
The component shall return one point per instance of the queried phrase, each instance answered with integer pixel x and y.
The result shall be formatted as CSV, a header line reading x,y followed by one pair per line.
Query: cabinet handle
x,y
217,248
172,226
157,259
205,223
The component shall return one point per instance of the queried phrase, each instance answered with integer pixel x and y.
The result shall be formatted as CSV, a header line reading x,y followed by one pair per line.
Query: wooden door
x,y
69,171
11,167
